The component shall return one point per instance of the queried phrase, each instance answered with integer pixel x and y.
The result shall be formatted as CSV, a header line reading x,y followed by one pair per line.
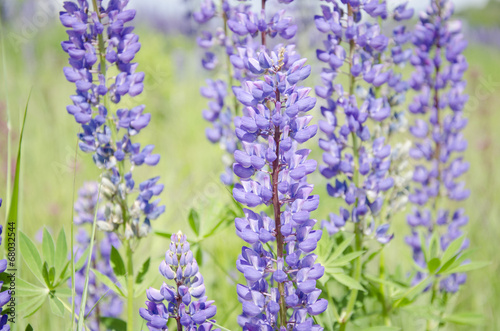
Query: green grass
x,y
190,166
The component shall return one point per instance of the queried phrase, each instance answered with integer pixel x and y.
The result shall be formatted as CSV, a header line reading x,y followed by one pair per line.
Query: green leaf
x,y
199,256
117,263
468,267
163,234
11,226
45,274
423,246
140,289
348,281
31,306
223,223
452,249
194,221
26,289
344,260
386,282
56,306
29,328
412,292
83,259
142,273
465,319
341,247
31,256
382,328
113,324
109,283
60,259
433,265
48,247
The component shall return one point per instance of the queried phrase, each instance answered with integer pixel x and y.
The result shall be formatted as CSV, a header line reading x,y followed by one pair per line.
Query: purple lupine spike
x,y
273,171
368,172
438,125
99,39
185,301
109,304
238,40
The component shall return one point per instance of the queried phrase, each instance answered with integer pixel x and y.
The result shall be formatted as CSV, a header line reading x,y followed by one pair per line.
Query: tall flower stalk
x,y
101,49
439,143
360,119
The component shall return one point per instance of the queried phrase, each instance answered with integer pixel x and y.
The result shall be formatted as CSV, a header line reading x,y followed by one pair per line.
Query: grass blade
x,y
81,319
14,201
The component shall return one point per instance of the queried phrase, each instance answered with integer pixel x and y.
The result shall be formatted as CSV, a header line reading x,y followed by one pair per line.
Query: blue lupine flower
x,y
360,160
185,301
437,128
99,40
273,171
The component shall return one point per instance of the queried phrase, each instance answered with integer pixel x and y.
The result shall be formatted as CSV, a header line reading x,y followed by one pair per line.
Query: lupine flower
x,y
360,160
5,295
185,301
111,304
437,128
281,287
98,41
236,39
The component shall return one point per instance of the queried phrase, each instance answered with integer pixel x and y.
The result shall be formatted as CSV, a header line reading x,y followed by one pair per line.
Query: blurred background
x,y
32,59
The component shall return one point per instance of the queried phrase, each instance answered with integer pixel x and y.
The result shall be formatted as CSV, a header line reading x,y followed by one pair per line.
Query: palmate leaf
x,y
109,283
56,306
26,289
194,221
31,306
348,281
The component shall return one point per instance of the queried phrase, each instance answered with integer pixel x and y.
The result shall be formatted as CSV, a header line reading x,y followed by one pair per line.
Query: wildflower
x,y
185,301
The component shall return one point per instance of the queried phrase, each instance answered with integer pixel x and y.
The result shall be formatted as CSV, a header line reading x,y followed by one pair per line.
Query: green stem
x,y
385,312
130,287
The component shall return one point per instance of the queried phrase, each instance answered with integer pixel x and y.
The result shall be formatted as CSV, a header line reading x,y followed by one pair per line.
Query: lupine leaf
x,y
31,306
26,289
163,234
468,267
433,265
385,282
56,306
113,324
109,283
348,281
452,249
29,328
61,254
341,247
117,263
465,319
194,221
31,256
344,260
48,247
144,270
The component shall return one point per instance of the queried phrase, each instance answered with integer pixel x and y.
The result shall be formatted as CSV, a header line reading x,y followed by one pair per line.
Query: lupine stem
x,y
385,312
277,214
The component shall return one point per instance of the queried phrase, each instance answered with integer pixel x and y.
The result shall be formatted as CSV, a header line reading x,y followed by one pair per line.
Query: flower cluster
x,y
360,160
237,39
185,301
281,283
101,49
437,128
109,304
5,295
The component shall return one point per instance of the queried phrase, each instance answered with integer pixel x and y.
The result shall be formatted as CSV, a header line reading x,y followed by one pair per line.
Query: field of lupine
x,y
354,190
